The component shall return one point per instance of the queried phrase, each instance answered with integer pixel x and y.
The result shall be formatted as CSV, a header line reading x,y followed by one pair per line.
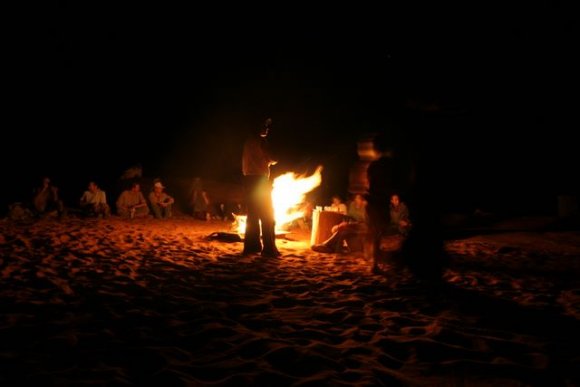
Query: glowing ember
x,y
288,194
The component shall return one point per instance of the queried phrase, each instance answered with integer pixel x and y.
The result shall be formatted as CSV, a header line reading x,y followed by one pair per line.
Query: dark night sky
x,y
99,87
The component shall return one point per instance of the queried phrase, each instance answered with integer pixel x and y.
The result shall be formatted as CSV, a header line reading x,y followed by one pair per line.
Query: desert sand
x,y
150,302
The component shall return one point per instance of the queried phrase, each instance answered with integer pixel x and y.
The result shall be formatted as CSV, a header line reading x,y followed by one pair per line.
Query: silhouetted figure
x,y
256,162
385,177
423,250
46,199
200,201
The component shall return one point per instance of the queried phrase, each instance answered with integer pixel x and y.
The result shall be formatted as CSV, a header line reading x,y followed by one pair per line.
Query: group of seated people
x,y
93,202
131,203
347,235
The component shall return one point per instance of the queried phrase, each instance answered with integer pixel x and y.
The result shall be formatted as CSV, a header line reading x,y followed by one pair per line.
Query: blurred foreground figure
x,y
390,177
385,178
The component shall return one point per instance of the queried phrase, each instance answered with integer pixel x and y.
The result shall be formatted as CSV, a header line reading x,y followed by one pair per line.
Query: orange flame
x,y
288,193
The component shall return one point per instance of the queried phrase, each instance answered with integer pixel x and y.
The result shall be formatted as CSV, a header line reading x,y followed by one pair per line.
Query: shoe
x,y
322,249
271,254
252,249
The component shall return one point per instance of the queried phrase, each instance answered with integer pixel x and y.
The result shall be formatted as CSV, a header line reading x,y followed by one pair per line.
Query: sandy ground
x,y
147,302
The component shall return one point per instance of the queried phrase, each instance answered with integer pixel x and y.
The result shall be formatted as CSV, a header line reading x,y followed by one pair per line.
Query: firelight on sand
x,y
288,193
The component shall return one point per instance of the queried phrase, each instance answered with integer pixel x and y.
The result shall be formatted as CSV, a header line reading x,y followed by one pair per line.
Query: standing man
x,y
256,162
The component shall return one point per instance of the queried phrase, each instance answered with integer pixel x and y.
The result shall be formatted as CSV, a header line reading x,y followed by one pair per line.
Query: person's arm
x,y
152,199
122,201
142,202
339,226
266,151
404,220
54,192
167,200
84,199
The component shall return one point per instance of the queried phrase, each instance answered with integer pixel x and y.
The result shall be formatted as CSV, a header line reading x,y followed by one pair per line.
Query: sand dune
x,y
147,302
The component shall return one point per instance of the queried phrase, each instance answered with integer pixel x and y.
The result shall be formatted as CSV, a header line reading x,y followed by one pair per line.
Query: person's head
x,y
135,187
46,181
382,145
265,130
93,186
395,200
336,200
358,199
158,187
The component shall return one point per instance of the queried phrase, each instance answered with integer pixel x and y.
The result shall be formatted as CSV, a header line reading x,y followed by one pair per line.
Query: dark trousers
x,y
258,196
378,218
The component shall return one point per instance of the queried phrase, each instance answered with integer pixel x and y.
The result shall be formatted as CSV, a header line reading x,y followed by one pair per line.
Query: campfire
x,y
288,195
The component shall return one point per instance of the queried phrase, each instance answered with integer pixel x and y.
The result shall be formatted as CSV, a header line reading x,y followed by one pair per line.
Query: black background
x,y
95,88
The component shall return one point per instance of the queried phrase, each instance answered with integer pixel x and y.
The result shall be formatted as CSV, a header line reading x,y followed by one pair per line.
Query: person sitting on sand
x,y
131,203
399,222
161,202
94,202
46,200
350,230
200,201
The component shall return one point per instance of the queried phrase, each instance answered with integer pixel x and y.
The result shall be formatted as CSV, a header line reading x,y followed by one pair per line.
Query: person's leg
x,y
375,215
142,212
123,212
168,212
252,242
330,245
268,221
157,211
355,235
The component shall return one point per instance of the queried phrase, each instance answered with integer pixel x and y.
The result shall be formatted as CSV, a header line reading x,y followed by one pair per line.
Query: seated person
x,y
399,222
200,204
305,221
46,200
94,202
338,206
131,203
161,203
349,230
